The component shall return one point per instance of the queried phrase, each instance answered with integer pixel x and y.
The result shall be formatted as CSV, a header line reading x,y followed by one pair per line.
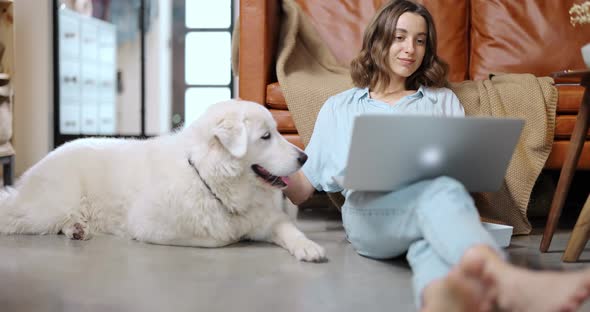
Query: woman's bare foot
x,y
462,290
519,289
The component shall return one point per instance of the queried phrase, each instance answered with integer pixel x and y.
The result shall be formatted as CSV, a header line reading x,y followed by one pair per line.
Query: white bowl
x,y
586,54
501,233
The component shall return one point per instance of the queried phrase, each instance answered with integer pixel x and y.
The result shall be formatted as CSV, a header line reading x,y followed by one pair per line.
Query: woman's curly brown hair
x,y
371,67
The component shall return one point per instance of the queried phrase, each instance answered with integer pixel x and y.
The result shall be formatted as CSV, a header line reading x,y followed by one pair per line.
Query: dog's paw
x,y
76,231
305,249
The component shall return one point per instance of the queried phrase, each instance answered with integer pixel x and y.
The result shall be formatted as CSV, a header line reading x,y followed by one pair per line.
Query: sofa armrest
x,y
259,32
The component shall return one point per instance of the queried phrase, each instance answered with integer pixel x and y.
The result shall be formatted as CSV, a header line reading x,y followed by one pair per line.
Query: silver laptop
x,y
388,152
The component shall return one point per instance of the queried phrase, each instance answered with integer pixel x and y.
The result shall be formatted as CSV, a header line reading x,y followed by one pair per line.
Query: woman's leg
x,y
520,289
448,220
483,278
427,266
450,225
382,225
448,248
463,289
435,219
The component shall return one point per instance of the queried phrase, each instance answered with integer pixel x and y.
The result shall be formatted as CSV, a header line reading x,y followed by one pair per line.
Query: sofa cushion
x,y
524,36
452,19
559,151
569,100
341,23
564,126
275,97
284,121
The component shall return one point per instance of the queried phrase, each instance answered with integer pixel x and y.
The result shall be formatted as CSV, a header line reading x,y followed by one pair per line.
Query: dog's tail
x,y
30,214
11,219
18,217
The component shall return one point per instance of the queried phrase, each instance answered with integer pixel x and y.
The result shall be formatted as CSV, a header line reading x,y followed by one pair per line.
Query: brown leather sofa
x,y
476,37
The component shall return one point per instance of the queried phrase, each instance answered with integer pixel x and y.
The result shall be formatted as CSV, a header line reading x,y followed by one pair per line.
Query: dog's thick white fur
x,y
209,185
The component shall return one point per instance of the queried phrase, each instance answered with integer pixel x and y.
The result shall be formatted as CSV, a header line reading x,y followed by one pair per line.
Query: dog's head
x,y
248,132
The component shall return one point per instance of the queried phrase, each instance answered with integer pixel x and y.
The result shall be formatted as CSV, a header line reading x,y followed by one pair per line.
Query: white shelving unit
x,y
87,70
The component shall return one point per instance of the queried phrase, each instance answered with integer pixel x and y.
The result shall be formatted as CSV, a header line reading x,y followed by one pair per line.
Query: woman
x,y
434,221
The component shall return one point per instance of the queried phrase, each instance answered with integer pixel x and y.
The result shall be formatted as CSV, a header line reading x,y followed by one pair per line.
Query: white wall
x,y
33,105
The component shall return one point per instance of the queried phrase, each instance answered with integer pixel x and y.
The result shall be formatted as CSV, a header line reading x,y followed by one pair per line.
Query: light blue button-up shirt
x,y
329,143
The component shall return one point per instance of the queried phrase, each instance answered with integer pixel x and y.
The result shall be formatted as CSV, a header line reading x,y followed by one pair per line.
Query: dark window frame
x,y
179,84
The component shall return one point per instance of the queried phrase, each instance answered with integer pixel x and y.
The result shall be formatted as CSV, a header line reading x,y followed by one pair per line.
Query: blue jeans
x,y
434,221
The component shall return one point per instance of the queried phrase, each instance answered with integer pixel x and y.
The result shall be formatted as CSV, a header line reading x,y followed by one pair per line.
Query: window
x,y
202,56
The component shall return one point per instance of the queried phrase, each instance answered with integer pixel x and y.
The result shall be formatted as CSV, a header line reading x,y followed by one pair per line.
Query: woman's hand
x,y
299,188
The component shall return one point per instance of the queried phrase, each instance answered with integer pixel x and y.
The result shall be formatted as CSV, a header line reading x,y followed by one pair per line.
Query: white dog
x,y
209,185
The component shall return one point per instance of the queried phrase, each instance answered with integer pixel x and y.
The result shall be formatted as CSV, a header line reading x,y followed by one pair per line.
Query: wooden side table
x,y
581,231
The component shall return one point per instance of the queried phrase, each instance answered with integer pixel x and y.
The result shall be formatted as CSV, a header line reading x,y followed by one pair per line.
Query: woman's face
x,y
409,45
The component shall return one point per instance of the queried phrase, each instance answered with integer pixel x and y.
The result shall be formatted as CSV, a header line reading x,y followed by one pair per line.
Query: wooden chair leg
x,y
563,185
580,235
567,172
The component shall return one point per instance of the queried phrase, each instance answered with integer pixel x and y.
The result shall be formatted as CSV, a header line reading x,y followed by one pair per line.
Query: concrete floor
x,y
51,273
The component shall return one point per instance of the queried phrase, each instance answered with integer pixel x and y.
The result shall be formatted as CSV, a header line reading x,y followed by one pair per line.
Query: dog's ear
x,y
232,135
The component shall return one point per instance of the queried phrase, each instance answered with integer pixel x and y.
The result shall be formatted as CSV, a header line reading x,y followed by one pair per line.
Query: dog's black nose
x,y
302,158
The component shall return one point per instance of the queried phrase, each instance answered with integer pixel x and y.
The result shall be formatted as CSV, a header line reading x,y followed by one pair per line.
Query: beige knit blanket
x,y
309,74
